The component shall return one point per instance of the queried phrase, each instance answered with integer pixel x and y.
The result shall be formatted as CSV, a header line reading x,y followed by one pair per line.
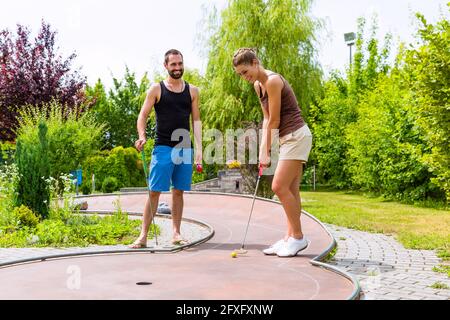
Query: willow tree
x,y
283,34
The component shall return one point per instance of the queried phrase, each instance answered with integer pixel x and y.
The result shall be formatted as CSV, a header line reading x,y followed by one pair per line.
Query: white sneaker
x,y
275,247
292,247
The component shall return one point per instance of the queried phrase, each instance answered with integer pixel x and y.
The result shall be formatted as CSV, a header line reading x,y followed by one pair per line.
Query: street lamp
x,y
350,40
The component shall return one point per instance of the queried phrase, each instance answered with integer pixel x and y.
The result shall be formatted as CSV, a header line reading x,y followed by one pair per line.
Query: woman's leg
x,y
287,175
294,187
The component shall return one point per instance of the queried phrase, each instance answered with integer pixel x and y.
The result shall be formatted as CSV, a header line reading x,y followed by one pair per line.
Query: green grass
x,y
414,226
439,285
330,255
75,230
442,269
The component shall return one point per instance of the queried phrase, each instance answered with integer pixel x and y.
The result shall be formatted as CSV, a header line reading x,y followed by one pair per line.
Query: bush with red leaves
x,y
33,73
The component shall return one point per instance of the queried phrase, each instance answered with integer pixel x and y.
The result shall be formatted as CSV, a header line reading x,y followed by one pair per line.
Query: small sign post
x,y
78,177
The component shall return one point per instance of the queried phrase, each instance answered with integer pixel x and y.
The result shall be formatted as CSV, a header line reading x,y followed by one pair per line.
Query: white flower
x,y
33,239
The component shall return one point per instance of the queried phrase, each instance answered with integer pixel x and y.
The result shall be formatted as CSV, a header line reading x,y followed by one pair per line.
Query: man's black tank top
x,y
173,111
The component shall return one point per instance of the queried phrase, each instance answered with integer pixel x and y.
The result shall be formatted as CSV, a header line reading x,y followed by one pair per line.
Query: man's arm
x,y
196,124
150,100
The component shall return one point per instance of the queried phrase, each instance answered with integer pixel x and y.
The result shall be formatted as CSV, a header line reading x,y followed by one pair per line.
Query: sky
x,y
106,35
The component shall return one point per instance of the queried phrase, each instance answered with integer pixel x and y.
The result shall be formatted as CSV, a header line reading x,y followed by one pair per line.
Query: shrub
x,y
63,227
86,188
26,216
75,230
7,150
109,185
197,177
33,167
124,164
61,195
53,232
71,137
9,177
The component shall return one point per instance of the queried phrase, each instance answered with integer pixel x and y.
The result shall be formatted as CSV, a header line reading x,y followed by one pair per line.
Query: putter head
x,y
241,251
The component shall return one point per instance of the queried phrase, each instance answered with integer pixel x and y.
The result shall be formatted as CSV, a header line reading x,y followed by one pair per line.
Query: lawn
x,y
414,227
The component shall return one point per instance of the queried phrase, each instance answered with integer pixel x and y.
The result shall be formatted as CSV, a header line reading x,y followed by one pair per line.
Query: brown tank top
x,y
290,114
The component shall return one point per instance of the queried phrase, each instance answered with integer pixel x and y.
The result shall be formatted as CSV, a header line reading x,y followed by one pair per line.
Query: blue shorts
x,y
170,166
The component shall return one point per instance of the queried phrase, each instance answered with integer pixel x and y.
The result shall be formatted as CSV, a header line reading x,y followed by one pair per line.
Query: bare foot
x,y
178,240
138,244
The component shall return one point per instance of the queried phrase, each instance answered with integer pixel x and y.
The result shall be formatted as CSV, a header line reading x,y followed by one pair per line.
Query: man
x,y
175,101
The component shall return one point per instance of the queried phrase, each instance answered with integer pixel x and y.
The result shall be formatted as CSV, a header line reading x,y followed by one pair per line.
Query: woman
x,y
281,112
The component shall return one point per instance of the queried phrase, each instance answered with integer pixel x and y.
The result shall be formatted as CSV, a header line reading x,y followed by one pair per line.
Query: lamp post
x,y
350,40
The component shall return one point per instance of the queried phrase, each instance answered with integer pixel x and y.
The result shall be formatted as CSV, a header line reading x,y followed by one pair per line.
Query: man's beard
x,y
176,75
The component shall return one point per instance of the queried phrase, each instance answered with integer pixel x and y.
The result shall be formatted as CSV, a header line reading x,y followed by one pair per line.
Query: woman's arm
x,y
274,86
265,122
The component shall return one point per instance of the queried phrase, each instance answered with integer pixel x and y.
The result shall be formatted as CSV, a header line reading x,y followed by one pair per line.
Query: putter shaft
x,y
251,210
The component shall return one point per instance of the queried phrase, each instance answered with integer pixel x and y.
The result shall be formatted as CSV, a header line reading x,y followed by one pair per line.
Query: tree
x,y
119,109
369,61
429,67
385,146
33,73
34,168
339,108
329,119
283,34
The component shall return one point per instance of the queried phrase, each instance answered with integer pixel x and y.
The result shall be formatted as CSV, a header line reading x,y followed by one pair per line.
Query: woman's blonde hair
x,y
244,56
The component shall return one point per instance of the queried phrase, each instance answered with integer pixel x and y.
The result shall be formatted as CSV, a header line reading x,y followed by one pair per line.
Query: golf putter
x,y
144,163
242,250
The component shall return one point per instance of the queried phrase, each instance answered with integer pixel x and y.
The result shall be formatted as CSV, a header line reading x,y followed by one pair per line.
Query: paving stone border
x,y
385,269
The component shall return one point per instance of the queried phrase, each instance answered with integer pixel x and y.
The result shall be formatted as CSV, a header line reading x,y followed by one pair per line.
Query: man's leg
x,y
148,216
177,213
181,180
161,168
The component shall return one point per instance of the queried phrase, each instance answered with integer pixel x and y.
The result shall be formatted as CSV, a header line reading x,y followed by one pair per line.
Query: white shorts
x,y
296,145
